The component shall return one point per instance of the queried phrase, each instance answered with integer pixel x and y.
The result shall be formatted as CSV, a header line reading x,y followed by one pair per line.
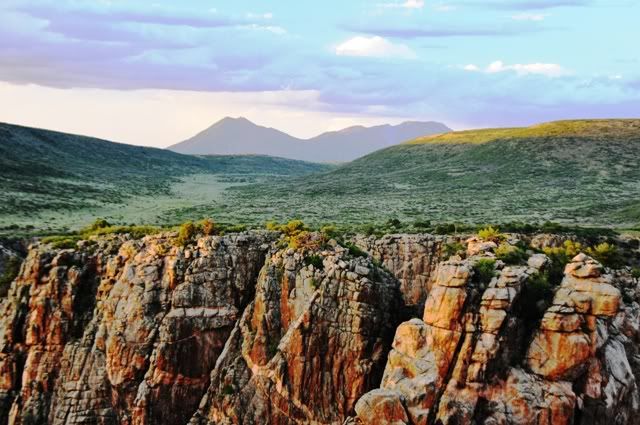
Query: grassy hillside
x,y
63,178
583,172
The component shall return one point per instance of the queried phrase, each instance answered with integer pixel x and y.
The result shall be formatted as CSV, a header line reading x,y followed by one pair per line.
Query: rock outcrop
x,y
314,340
412,259
238,329
474,358
122,331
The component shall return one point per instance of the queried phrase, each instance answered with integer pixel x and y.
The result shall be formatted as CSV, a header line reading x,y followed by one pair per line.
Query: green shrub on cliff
x,y
607,254
11,269
484,270
454,248
186,234
510,254
490,234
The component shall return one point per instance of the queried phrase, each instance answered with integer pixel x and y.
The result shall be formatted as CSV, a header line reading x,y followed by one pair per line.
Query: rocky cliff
x,y
241,329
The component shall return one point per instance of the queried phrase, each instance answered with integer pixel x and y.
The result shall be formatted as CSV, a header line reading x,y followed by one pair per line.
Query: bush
x,y
394,223
62,242
315,261
484,270
490,234
510,254
330,232
99,223
422,224
355,250
560,257
607,254
186,233
635,272
11,270
538,288
209,227
454,248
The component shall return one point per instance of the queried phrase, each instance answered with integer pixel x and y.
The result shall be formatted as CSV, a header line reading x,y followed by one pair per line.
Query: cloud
x,y
529,17
407,4
374,47
546,69
268,15
526,4
441,31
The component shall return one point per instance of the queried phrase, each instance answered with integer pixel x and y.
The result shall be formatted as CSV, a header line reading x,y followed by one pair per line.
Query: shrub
x,y
330,232
559,257
186,233
484,270
62,242
635,272
422,224
209,227
394,223
315,261
445,229
99,223
538,288
236,228
11,270
355,250
490,234
454,248
607,254
510,254
293,227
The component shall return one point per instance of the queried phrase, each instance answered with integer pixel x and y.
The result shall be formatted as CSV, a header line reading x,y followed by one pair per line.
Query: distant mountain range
x,y
237,136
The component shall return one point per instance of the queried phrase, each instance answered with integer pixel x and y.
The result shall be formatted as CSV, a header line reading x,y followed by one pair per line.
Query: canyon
x,y
247,329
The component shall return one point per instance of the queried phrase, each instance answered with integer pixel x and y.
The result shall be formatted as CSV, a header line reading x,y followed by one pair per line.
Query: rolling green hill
x,y
64,178
582,172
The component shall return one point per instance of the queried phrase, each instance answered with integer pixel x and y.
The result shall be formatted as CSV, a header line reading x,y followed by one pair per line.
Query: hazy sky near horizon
x,y
157,73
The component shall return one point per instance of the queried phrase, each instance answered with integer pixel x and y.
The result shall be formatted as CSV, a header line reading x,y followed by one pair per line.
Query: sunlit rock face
x,y
241,329
122,331
473,358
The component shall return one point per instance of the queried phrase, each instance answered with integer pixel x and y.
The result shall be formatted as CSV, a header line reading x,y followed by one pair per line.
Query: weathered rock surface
x,y
473,358
412,259
234,330
122,331
311,344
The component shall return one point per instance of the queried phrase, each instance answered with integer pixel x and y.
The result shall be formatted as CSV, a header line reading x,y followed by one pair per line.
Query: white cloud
x,y
268,15
546,69
270,28
374,47
529,17
444,8
408,4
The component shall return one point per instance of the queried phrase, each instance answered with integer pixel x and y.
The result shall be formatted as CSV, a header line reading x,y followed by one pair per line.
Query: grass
x,y
568,128
577,174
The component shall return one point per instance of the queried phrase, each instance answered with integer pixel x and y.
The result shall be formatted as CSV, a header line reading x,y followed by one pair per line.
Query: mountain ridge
x,y
233,136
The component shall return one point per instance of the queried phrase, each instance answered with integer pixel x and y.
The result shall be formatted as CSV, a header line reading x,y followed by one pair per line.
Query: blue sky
x,y
307,66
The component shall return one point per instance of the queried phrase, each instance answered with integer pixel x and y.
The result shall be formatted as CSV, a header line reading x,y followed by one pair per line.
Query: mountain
x,y
42,170
241,136
576,172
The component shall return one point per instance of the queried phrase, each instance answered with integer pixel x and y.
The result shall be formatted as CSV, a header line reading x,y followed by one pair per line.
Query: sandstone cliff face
x,y
464,361
122,331
237,330
412,259
313,341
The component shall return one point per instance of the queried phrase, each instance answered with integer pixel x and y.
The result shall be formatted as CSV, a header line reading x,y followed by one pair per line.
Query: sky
x,y
155,73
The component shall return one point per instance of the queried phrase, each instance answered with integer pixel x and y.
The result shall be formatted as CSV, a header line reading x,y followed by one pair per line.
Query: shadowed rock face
x,y
234,330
